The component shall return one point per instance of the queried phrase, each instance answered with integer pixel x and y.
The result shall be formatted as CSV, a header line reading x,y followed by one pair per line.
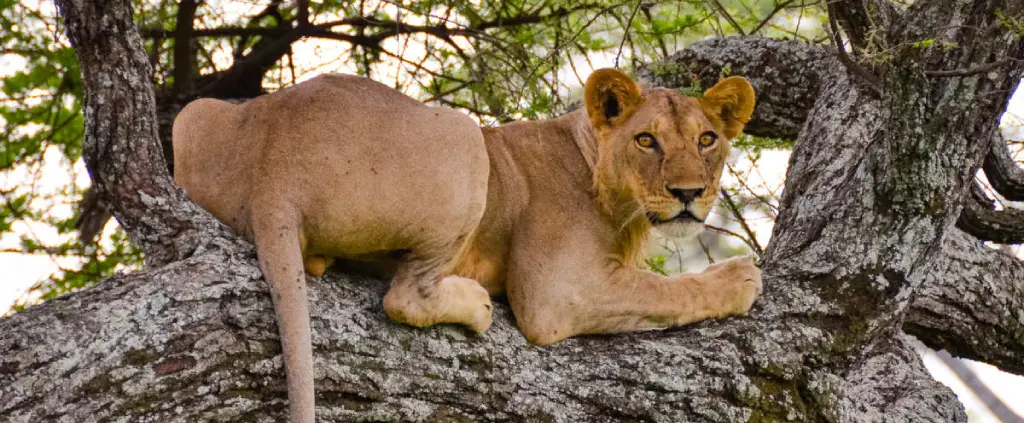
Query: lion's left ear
x,y
611,97
729,104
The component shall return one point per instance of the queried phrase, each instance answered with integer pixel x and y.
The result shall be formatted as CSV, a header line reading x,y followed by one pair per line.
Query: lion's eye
x,y
645,140
708,139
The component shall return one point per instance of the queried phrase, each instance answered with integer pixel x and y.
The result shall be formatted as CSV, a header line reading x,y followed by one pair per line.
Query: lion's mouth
x,y
683,216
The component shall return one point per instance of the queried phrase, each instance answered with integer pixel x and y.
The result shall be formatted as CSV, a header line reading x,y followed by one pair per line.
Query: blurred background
x,y
498,61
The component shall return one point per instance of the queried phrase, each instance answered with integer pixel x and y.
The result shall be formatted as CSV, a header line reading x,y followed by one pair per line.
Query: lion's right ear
x,y
729,104
611,97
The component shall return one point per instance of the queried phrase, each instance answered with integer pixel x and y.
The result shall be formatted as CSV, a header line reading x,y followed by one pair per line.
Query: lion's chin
x,y
681,229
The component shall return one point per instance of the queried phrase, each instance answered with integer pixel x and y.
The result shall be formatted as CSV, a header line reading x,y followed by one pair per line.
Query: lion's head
x,y
661,153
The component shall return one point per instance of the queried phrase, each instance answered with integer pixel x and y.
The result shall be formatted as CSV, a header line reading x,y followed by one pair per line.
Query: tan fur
x,y
551,212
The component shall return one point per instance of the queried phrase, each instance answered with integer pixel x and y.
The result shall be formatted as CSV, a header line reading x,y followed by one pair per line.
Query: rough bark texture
x,y
981,219
122,150
1005,175
866,228
972,304
196,340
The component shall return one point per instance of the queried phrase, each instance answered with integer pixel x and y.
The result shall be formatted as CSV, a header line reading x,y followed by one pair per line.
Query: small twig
x,y
728,17
291,64
742,181
775,10
873,82
678,253
728,232
447,92
743,222
625,33
970,71
707,252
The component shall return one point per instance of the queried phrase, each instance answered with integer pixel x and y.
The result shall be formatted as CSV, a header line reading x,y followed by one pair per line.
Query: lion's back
x,y
332,146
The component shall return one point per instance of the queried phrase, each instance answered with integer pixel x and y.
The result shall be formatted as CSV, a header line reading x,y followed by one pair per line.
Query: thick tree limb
x,y
1003,172
121,148
981,219
972,304
195,340
868,389
869,194
786,76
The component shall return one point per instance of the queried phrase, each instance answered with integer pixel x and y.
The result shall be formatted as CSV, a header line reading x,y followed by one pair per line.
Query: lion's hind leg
x,y
421,296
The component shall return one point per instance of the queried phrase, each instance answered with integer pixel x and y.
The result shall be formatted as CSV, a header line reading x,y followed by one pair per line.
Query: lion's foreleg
x,y
628,300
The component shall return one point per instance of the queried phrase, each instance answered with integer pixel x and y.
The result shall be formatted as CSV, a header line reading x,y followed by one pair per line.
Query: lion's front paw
x,y
738,281
467,302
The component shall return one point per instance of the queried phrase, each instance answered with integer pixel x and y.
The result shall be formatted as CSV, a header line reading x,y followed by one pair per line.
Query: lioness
x,y
553,213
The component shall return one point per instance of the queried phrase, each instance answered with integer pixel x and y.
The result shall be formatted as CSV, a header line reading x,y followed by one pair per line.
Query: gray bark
x,y
122,150
972,304
196,340
984,221
873,190
1005,175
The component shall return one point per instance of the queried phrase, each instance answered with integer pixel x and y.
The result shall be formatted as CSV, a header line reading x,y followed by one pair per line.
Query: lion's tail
x,y
276,234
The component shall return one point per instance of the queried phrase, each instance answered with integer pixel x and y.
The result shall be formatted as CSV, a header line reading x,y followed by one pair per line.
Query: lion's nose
x,y
686,196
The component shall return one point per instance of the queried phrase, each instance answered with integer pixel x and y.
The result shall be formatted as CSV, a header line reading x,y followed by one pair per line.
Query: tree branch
x,y
227,31
1003,172
302,9
390,27
989,399
196,340
868,391
786,76
183,69
874,183
866,75
864,21
972,304
121,147
981,219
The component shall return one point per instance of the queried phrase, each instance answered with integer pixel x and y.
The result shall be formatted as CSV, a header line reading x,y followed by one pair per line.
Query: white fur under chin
x,y
681,230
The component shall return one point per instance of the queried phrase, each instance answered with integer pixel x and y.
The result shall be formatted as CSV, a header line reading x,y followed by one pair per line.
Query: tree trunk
x,y
887,147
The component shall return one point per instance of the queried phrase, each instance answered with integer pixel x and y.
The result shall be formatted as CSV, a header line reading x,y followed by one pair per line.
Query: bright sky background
x,y
19,271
